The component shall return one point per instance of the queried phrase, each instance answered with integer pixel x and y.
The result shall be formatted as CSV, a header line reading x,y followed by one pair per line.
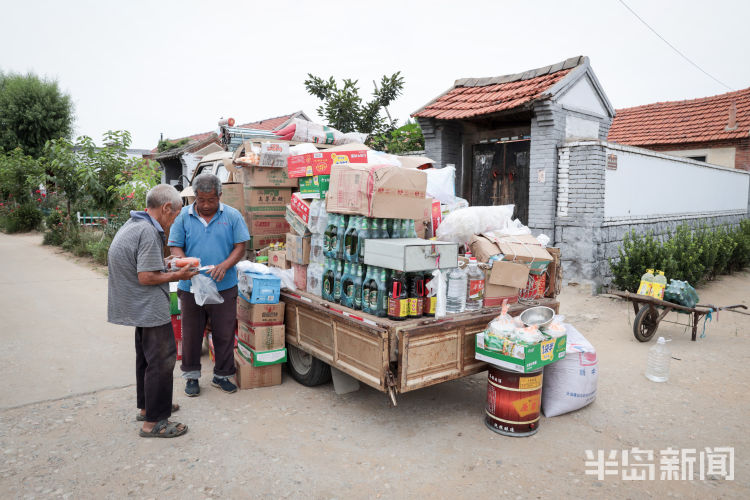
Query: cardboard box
x,y
320,163
300,207
264,240
554,272
266,200
377,191
259,288
314,187
261,338
250,377
504,280
300,276
232,194
422,224
263,224
298,249
277,258
297,225
260,314
519,357
261,358
524,249
266,177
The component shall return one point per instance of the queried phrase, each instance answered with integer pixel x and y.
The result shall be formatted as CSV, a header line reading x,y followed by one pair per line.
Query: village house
x,y
712,129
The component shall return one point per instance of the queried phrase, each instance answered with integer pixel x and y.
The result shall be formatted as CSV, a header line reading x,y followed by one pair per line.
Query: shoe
x,y
192,389
224,384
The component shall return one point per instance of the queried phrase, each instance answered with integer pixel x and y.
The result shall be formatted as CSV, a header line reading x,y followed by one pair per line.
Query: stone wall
x,y
586,238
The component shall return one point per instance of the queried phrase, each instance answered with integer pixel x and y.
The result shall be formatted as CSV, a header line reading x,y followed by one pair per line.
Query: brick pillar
x,y
547,132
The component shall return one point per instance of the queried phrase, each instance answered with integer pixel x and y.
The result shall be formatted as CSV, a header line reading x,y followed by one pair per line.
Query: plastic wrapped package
x,y
461,225
439,286
245,266
305,131
286,276
500,329
441,183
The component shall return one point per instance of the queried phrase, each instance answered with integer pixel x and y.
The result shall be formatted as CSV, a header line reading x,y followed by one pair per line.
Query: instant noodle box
x,y
519,356
314,187
320,163
260,314
261,358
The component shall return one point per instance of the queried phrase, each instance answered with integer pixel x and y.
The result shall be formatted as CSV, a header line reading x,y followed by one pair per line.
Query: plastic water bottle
x,y
456,297
657,368
475,288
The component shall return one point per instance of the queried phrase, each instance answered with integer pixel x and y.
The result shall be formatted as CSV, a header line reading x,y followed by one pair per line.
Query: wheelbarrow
x,y
650,311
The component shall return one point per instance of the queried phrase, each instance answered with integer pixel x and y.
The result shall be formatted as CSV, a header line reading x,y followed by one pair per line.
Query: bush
x,y
23,218
687,255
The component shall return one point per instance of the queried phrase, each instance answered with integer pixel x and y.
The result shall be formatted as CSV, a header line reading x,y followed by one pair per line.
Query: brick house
x,y
503,133
713,129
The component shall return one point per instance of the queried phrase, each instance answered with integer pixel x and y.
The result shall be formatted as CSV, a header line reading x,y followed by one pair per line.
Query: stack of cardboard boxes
x,y
260,331
266,191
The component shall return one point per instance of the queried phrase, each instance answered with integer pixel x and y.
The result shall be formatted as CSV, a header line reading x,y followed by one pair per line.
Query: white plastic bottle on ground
x,y
657,367
456,296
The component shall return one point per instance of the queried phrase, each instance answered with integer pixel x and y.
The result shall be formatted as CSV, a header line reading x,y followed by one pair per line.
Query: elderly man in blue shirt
x,y
216,233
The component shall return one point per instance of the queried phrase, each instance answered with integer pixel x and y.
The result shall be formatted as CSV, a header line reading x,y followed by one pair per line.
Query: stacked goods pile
x,y
266,191
260,331
363,250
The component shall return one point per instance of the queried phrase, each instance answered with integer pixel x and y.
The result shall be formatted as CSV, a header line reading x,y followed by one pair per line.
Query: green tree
x,y
20,175
343,108
407,137
32,111
61,164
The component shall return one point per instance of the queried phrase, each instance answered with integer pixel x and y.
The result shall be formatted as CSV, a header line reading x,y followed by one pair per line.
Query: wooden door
x,y
500,176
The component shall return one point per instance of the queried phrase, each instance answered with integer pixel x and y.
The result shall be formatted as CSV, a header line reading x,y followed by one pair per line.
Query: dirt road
x,y
298,442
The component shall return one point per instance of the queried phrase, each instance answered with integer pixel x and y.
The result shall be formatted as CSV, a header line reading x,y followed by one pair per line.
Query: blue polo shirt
x,y
211,242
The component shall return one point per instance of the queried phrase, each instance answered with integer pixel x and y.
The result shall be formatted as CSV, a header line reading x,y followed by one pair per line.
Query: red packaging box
x,y
177,329
300,207
320,163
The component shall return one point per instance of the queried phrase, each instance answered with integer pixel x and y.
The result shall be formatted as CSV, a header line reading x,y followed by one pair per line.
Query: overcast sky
x,y
177,67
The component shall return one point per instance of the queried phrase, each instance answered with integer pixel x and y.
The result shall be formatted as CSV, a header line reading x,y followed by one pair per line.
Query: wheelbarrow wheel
x,y
646,323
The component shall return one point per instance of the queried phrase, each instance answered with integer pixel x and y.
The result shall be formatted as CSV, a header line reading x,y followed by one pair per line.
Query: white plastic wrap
x,y
245,266
543,240
304,148
461,225
306,131
286,276
380,158
441,184
439,285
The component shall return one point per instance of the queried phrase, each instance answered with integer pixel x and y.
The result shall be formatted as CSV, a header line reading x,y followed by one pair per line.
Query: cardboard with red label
x,y
377,191
260,224
300,207
266,200
261,338
260,314
277,258
266,177
320,163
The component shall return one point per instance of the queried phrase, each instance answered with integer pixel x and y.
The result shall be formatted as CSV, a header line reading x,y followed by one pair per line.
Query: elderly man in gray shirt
x,y
139,297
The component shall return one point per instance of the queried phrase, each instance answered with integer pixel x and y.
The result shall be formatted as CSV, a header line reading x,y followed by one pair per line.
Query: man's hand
x,y
219,271
185,273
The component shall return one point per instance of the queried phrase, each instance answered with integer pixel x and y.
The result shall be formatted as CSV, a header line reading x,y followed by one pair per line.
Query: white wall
x,y
648,184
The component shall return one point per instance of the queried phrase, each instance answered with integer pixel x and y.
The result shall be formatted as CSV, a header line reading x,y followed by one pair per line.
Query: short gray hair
x,y
207,183
162,194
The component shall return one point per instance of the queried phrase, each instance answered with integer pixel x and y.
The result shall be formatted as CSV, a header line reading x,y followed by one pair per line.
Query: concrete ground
x,y
67,408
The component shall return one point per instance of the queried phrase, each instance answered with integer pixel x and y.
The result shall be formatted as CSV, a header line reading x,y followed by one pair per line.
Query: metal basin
x,y
537,316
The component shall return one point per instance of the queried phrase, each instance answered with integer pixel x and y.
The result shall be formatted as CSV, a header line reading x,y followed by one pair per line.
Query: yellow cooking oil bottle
x,y
658,286
646,281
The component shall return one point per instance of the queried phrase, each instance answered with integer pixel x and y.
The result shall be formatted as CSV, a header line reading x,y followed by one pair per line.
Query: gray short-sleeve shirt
x,y
137,247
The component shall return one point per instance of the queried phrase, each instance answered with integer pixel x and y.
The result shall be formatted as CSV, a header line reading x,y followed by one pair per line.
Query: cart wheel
x,y
645,324
306,369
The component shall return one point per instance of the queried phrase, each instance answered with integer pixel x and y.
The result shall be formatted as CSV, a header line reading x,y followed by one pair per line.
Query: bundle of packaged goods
x,y
260,330
361,248
267,189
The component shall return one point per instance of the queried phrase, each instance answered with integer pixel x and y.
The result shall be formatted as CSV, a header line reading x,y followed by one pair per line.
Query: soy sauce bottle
x,y
398,298
415,290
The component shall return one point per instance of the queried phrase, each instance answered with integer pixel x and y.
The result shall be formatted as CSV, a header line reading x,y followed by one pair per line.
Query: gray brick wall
x,y
547,133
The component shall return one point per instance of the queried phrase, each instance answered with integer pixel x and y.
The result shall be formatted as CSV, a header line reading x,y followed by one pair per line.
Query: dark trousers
x,y
223,322
155,356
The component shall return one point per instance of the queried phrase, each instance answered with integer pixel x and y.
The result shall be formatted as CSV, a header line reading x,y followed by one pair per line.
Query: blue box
x,y
259,288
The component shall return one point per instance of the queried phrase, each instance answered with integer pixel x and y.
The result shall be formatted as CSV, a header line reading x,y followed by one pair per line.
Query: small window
x,y
698,158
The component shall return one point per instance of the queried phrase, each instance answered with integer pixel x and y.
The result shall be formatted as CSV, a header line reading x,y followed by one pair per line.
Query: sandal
x,y
142,418
170,430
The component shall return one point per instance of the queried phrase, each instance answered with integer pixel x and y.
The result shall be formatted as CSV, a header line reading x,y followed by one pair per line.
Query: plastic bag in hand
x,y
205,291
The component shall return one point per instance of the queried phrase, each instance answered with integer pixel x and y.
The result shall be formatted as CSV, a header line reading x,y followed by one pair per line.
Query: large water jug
x,y
657,367
456,297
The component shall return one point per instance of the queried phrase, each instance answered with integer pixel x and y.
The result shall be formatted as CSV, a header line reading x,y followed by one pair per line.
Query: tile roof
x,y
269,123
673,122
472,97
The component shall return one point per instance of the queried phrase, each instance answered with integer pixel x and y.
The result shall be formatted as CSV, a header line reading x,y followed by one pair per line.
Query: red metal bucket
x,y
513,401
